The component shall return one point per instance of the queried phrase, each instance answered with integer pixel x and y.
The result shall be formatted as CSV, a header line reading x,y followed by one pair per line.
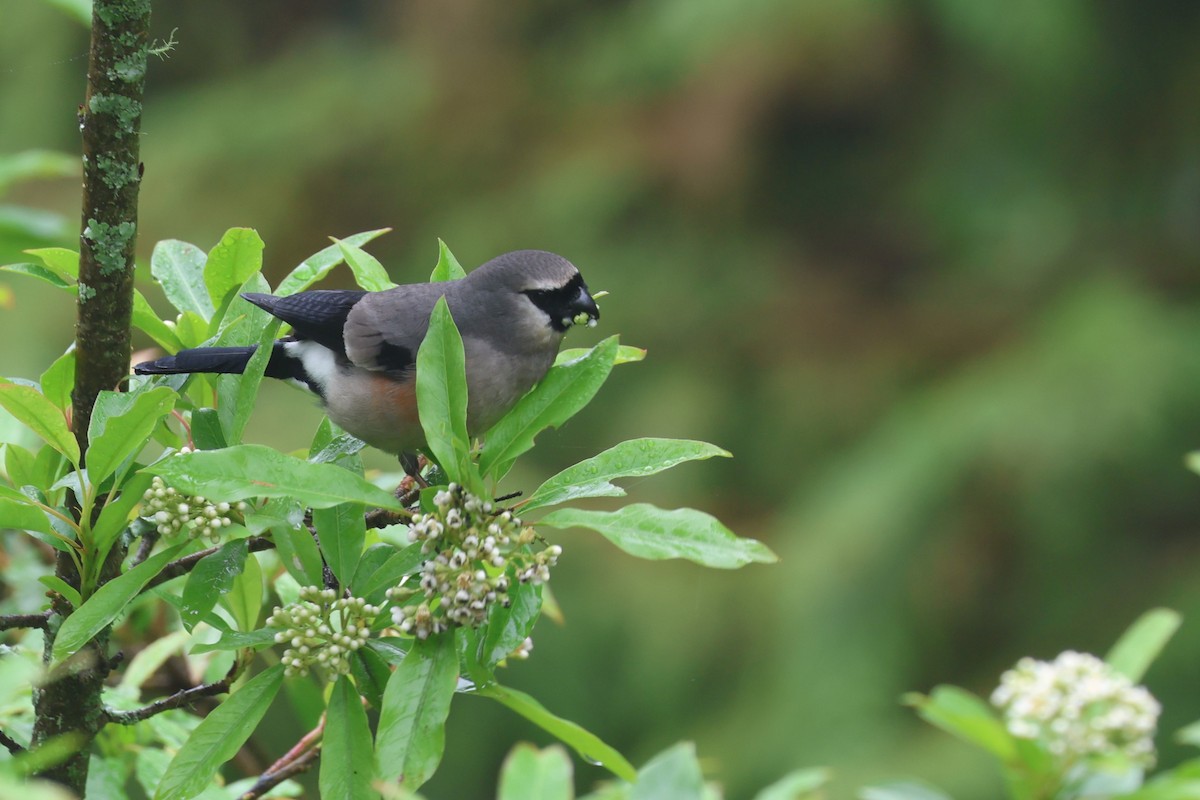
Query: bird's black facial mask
x,y
566,303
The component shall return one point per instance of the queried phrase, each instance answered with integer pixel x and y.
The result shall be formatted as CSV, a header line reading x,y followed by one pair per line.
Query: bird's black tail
x,y
222,360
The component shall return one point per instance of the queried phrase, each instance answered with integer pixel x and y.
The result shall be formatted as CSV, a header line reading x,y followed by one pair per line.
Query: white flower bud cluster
x,y
322,629
1078,707
476,555
197,516
523,649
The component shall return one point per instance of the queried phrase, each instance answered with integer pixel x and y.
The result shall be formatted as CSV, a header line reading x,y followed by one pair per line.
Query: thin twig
x,y
149,539
182,566
39,620
12,746
184,697
295,761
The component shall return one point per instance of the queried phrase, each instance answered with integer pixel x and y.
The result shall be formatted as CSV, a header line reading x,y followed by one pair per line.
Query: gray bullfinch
x,y
357,350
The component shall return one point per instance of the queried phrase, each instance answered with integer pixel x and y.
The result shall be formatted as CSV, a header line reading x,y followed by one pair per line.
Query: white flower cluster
x,y
1078,707
197,516
477,555
322,629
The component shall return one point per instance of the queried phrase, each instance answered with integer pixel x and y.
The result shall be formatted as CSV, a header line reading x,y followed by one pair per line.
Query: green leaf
x,y
299,554
212,577
962,714
442,398
121,425
673,773
206,430
117,514
625,355
249,381
32,408
146,319
148,660
532,774
411,734
107,603
902,790
41,273
563,392
237,640
179,269
235,258
1137,648
81,10
634,458
244,598
646,531
382,567
253,470
59,379
368,272
219,736
448,268
346,766
508,627
63,261
317,266
23,516
588,745
796,785
342,530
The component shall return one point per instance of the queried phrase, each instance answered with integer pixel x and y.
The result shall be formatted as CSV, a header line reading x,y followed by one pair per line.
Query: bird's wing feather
x,y
319,314
386,329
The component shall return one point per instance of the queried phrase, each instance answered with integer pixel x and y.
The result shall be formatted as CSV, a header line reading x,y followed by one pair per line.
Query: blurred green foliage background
x,y
928,268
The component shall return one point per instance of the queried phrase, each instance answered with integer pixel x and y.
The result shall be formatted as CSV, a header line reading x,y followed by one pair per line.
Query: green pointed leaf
x,y
382,567
32,408
107,603
962,714
63,261
346,766
23,516
59,379
563,392
797,785
448,268
121,425
249,381
211,578
147,321
235,640
206,430
244,598
252,470
646,531
235,258
342,530
673,773
508,627
117,514
411,735
41,273
368,272
626,354
532,774
219,736
317,266
1137,648
588,745
442,398
635,458
179,269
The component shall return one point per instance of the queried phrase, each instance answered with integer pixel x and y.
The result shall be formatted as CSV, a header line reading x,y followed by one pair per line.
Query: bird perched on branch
x,y
357,350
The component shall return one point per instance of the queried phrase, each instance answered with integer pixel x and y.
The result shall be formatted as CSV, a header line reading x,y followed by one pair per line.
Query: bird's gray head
x,y
548,282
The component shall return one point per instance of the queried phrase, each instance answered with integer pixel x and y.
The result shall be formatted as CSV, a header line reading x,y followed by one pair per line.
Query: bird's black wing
x,y
319,314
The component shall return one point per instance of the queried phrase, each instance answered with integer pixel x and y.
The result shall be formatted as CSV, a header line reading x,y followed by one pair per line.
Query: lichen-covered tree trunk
x,y
110,120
